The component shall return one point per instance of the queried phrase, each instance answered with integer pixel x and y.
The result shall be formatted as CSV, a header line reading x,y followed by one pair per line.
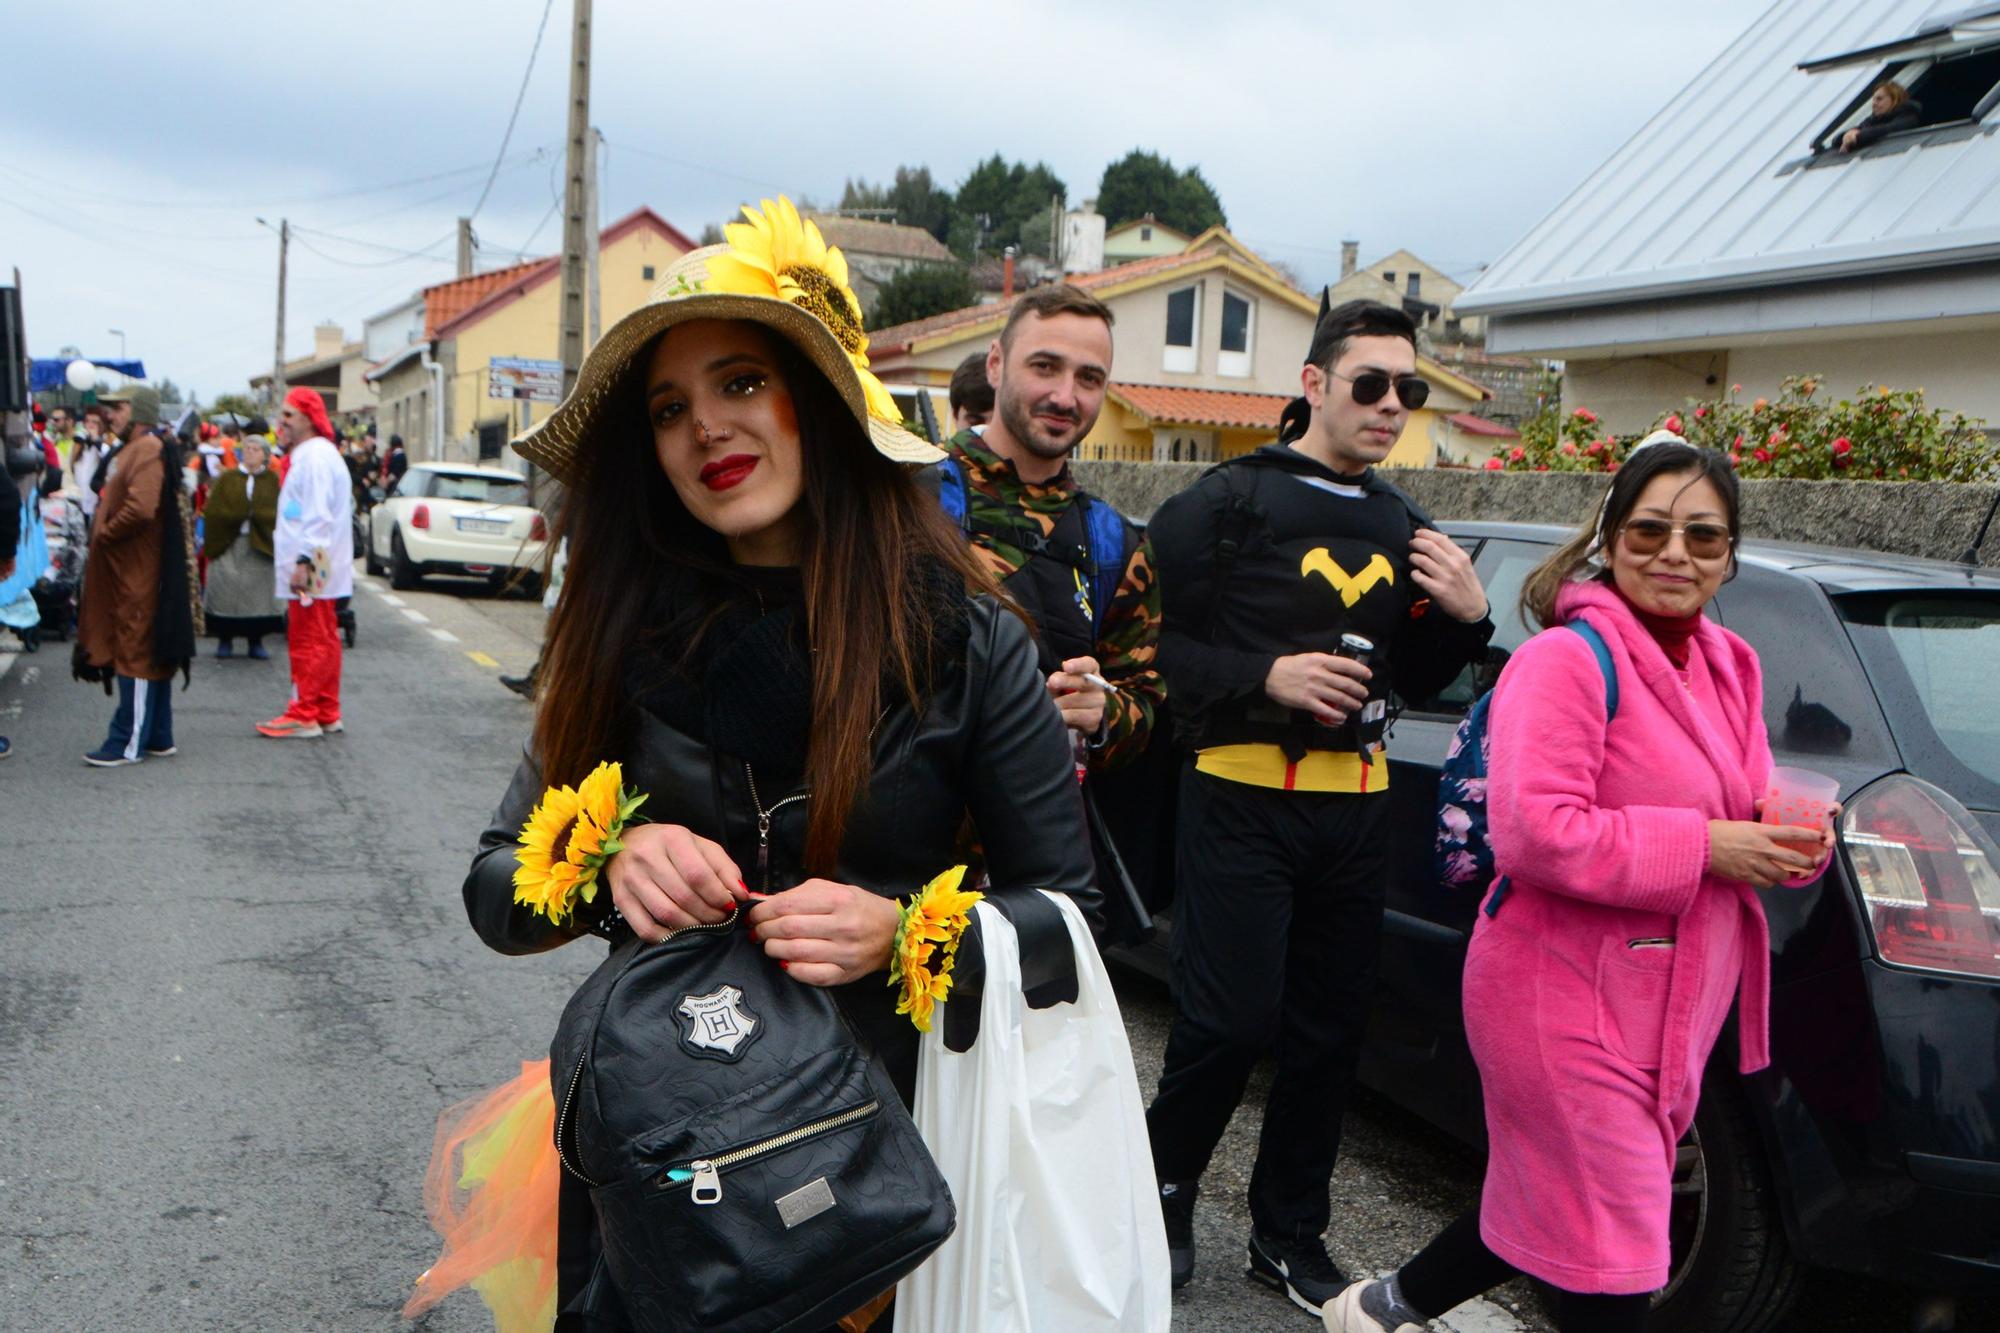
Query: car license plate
x,y
482,524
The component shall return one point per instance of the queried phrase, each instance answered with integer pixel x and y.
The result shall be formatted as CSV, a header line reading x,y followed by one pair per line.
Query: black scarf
x,y
746,688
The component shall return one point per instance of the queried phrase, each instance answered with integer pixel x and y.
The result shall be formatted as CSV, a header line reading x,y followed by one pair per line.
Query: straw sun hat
x,y
776,270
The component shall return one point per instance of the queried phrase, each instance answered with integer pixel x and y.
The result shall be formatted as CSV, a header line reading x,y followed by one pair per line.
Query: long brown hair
x,y
1545,584
866,526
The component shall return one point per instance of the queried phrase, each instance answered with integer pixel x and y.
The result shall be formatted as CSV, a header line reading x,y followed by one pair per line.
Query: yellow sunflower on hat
x,y
779,253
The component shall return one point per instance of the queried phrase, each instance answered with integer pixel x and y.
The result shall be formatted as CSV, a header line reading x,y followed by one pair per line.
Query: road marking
x,y
444,636
389,599
417,616
483,660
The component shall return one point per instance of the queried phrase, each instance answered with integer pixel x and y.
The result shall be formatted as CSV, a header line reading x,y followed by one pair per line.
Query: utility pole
x,y
278,349
570,341
465,247
590,226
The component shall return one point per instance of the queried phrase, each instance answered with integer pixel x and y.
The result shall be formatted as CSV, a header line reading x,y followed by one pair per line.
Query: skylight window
x,y
1950,68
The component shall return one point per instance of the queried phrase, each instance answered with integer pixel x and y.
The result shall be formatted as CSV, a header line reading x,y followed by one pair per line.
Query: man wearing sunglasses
x,y
1276,569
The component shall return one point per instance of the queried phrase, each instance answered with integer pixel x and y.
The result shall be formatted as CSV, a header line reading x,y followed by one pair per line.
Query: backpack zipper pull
x,y
764,849
707,1186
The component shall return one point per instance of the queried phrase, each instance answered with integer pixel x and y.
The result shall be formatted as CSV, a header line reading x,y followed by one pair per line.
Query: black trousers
x,y
1276,933
1457,1266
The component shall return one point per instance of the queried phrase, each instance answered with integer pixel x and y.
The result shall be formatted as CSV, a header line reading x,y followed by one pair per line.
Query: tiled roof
x,y
1202,407
448,300
504,285
899,336
865,237
1473,425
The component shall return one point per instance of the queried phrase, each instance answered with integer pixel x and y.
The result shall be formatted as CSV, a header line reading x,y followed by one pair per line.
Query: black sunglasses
x,y
1371,386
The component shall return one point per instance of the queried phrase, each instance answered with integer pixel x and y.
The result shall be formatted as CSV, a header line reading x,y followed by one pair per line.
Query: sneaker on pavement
x,y
1177,1211
224,651
106,757
1366,1307
259,653
164,752
333,728
1298,1268
286,727
6,747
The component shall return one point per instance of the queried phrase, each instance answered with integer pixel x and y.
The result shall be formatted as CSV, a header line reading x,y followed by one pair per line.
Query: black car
x,y
1872,1143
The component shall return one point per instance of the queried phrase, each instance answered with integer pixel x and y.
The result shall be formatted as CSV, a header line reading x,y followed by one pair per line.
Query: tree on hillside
x,y
712,234
1142,182
921,291
913,197
994,202
240,403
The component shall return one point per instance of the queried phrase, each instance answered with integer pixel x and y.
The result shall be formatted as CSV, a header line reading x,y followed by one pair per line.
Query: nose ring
x,y
701,434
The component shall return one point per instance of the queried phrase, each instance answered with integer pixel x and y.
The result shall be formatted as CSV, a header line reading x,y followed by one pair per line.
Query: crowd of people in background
x,y
133,537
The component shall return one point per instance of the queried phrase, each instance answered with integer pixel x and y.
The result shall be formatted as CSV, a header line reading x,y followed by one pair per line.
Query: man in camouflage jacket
x,y
1027,520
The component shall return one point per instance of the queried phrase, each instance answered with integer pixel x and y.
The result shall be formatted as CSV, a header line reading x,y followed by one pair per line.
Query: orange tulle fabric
x,y
491,1193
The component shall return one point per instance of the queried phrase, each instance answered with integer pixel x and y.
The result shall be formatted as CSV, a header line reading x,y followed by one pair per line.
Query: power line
x,y
697,166
515,114
399,256
424,253
73,192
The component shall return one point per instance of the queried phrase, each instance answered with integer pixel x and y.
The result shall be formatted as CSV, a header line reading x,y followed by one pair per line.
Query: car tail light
x,y
1929,876
538,529
420,517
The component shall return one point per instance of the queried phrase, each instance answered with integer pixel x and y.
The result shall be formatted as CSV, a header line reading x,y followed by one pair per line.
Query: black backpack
x,y
750,1167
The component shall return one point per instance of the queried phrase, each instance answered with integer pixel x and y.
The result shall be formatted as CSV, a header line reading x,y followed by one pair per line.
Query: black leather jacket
x,y
988,745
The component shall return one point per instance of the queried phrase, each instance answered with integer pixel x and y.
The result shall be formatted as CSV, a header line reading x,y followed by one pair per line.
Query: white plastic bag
x,y
1039,1130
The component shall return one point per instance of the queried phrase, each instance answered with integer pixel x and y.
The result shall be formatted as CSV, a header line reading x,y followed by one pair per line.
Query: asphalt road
x,y
236,987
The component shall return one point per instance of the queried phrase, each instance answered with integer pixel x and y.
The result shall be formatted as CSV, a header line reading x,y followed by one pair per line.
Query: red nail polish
x,y
782,963
753,937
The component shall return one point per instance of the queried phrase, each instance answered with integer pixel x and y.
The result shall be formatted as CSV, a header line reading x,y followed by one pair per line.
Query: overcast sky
x,y
139,144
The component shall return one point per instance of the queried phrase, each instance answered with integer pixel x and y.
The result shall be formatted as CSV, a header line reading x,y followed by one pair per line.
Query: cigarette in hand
x,y
1100,682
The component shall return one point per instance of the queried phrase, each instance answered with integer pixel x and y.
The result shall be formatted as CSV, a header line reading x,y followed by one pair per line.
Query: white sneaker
x,y
1344,1314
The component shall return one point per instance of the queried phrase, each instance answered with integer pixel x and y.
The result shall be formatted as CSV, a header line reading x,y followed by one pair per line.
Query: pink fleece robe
x,y
1590,1034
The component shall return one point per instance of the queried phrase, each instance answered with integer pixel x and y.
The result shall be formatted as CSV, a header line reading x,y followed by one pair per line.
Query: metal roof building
x,y
1732,239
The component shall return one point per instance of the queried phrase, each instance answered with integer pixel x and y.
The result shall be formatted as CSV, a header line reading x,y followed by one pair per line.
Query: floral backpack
x,y
1462,858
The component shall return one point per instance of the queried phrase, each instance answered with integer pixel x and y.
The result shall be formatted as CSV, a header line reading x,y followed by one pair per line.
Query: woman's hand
x,y
1826,835
825,934
1763,853
668,878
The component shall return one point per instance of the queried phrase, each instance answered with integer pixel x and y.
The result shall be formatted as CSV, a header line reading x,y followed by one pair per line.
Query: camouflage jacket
x,y
1128,635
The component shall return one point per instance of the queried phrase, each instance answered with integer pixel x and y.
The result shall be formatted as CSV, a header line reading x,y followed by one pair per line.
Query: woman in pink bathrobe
x,y
1605,961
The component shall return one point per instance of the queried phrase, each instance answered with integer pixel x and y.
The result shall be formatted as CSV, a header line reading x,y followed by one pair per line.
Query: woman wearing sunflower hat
x,y
807,685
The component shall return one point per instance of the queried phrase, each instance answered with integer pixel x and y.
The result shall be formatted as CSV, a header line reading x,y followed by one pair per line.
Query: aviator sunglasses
x,y
1371,386
1648,536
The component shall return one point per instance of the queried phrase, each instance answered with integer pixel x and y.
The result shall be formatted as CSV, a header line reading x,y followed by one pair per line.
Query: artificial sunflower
x,y
569,836
927,942
779,253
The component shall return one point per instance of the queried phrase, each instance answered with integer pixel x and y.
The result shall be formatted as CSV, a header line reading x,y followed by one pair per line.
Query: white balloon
x,y
81,374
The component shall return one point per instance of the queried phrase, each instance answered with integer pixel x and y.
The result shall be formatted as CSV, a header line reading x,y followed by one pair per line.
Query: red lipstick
x,y
725,473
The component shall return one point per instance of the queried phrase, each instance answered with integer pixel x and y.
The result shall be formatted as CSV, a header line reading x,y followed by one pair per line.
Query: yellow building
x,y
1208,344
337,368
434,392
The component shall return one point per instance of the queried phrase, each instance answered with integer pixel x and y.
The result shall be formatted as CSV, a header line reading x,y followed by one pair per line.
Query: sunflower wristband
x,y
572,832
926,944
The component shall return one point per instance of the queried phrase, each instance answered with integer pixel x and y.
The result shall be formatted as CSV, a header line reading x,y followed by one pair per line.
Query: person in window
x,y
1891,111
790,649
1623,926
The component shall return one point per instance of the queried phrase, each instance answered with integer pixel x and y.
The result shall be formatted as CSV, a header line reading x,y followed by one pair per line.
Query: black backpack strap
x,y
1234,526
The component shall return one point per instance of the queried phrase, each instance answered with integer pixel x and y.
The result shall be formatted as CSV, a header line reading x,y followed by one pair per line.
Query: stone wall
x,y
1934,519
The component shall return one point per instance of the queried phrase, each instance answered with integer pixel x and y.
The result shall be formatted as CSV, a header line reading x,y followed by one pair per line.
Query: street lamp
x,y
119,334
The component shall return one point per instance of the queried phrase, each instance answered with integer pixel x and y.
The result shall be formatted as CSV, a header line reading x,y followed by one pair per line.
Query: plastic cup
x,y
1800,798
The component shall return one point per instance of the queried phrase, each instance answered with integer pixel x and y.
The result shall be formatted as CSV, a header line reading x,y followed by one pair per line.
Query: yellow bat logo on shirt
x,y
1351,587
